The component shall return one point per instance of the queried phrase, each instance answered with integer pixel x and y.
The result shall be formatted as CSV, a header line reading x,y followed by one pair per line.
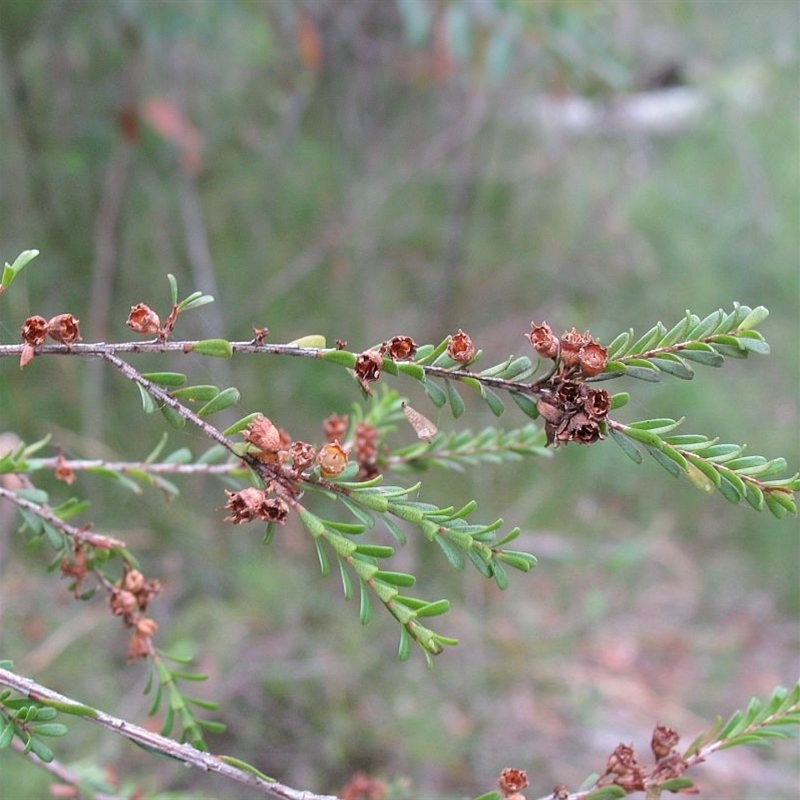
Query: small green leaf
x,y
619,400
225,399
404,648
51,729
702,353
396,578
437,396
454,398
412,370
41,749
526,404
672,365
6,734
676,784
201,393
642,369
754,318
612,792
375,550
347,583
627,446
313,341
619,346
241,424
754,342
434,609
148,404
702,474
493,401
173,288
172,416
195,300
343,358
166,379
218,348
365,604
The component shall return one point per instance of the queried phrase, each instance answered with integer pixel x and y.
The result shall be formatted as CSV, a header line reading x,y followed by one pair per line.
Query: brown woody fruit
x,y
64,328
332,459
512,781
399,348
544,341
571,344
592,358
461,348
142,319
34,330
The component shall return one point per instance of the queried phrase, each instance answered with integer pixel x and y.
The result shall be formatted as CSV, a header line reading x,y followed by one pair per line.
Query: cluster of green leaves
x,y
778,718
707,341
711,465
28,720
162,681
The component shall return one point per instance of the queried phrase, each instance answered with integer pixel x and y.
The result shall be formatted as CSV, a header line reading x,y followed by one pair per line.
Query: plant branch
x,y
220,764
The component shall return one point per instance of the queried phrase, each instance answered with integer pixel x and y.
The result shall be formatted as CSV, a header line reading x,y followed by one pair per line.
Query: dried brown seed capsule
x,y
571,344
664,741
592,359
335,427
142,319
622,761
150,589
597,403
368,366
512,781
64,328
544,341
266,438
123,602
583,429
244,505
33,330
146,627
399,348
461,348
332,459
138,646
133,581
303,456
560,792
274,510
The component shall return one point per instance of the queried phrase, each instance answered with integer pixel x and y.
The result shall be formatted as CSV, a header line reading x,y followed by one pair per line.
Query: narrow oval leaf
x,y
526,404
626,445
672,365
197,394
437,395
167,379
702,353
454,398
365,605
172,416
404,648
343,358
754,318
643,370
241,424
314,341
225,399
493,401
218,348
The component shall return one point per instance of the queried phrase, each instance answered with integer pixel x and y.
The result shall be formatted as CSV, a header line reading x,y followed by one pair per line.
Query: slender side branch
x,y
153,741
78,534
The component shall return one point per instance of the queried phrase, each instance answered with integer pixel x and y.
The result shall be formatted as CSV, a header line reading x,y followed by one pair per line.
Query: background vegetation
x,y
363,168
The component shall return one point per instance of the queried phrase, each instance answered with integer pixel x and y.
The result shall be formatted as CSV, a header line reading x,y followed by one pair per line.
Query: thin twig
x,y
154,741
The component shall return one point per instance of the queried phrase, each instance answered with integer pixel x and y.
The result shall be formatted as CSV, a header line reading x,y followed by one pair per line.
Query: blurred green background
x,y
365,168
